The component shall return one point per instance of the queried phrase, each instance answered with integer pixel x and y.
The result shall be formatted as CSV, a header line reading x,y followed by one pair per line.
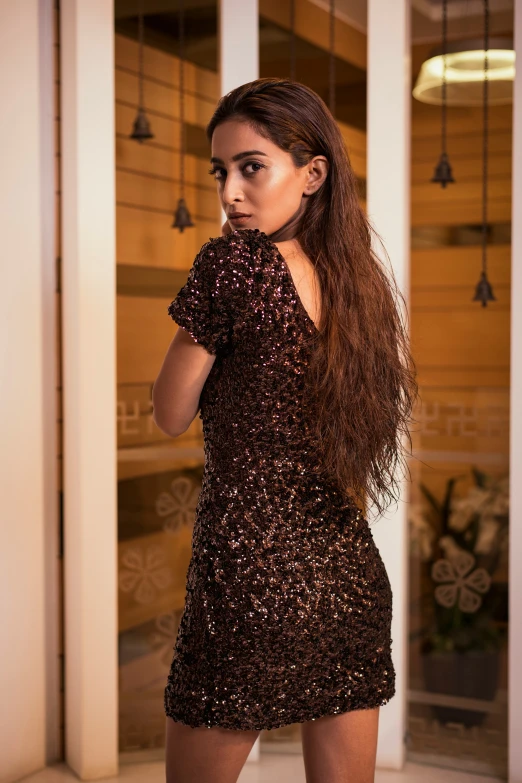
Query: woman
x,y
292,347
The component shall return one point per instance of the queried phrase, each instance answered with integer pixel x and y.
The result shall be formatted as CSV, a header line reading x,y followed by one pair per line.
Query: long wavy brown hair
x,y
362,379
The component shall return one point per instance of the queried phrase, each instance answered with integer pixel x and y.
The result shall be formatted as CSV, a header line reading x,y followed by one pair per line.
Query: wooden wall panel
x,y
461,348
457,213
467,145
144,332
162,99
446,298
442,376
461,119
162,67
145,238
458,337
312,24
467,169
162,193
355,141
457,266
147,176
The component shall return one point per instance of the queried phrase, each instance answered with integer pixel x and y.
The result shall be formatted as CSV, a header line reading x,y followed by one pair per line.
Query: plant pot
x,y
473,675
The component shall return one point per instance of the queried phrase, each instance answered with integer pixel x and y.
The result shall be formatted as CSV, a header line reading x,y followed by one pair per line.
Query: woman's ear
x,y
317,173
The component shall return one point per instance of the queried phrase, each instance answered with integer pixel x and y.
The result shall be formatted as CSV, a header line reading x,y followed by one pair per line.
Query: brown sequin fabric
x,y
288,604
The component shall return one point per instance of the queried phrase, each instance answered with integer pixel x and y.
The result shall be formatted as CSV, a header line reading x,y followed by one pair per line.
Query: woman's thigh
x,y
341,748
203,755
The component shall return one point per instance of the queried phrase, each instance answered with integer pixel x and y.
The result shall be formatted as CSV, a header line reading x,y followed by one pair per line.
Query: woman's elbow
x,y
165,425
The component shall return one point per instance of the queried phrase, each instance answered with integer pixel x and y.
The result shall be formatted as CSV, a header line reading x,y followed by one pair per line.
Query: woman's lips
x,y
240,220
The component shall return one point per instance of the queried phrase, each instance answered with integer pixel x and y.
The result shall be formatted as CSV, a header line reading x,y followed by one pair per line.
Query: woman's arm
x,y
177,389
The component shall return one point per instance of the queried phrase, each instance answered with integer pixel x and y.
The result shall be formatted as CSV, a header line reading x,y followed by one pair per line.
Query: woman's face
x,y
257,178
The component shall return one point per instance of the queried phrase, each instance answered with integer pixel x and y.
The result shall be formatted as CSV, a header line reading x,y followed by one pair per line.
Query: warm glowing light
x,y
465,74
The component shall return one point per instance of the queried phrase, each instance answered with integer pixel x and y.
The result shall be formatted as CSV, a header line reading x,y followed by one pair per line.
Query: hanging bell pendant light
x,y
141,128
331,101
182,217
484,291
443,174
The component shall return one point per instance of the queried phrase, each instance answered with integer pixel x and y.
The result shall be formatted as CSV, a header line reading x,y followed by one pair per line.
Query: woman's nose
x,y
232,190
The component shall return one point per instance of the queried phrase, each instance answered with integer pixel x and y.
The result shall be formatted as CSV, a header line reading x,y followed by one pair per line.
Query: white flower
x,y
499,505
488,530
464,509
461,582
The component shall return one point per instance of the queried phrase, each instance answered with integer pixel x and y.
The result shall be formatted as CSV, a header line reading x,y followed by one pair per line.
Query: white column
x,y
388,184
28,486
239,64
515,437
238,46
238,43
89,380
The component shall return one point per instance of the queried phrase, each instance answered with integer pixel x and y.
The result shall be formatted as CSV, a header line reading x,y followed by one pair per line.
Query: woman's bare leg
x,y
203,755
341,748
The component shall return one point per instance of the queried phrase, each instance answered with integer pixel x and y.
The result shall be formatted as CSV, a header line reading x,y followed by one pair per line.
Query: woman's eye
x,y
214,171
253,163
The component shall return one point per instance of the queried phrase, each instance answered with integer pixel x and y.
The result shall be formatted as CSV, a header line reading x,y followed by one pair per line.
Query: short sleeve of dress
x,y
205,306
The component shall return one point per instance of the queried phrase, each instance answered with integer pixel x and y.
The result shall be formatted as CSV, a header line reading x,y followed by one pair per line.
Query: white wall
x,y
89,386
388,184
28,565
238,46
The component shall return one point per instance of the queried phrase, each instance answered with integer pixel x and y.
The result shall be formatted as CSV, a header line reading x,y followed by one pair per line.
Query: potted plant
x,y
461,541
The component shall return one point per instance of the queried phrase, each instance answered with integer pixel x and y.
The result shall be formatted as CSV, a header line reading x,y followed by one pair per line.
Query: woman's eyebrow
x,y
240,155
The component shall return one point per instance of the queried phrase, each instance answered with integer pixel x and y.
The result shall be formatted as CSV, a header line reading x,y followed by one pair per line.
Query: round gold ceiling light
x,y
465,74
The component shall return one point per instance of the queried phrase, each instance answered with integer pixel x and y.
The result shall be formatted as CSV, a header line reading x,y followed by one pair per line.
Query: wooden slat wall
x,y
460,202
147,191
461,348
312,24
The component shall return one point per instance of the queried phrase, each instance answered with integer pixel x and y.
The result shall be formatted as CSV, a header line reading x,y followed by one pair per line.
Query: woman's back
x,y
304,277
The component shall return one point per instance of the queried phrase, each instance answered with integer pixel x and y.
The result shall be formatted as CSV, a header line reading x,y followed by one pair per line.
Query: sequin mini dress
x,y
288,605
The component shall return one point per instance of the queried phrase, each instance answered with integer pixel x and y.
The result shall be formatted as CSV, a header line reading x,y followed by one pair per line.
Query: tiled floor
x,y
273,768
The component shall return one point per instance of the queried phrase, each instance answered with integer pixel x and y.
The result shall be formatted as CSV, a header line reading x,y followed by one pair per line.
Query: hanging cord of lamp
x,y
484,291
182,217
141,129
332,57
443,173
